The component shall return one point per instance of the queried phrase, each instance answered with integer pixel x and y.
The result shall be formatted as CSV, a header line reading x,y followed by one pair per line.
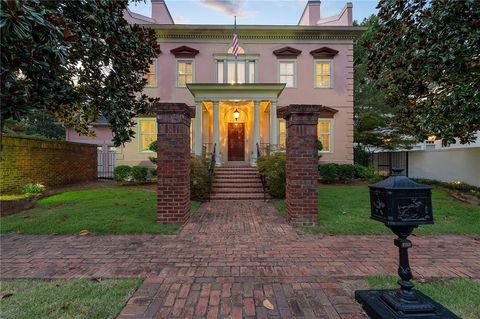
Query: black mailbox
x,y
402,205
399,201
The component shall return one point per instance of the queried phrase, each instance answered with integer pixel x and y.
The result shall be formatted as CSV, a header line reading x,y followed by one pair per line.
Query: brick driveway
x,y
229,258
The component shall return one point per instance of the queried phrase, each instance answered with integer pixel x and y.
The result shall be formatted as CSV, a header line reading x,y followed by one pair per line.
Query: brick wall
x,y
301,199
173,192
52,163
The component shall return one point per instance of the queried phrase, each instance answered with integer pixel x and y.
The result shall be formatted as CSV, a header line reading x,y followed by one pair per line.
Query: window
x,y
282,125
323,76
184,72
151,76
146,133
226,71
286,73
325,134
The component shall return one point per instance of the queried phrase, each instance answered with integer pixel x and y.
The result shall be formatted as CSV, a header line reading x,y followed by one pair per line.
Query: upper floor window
x,y
324,128
226,71
151,75
146,133
323,75
185,72
286,73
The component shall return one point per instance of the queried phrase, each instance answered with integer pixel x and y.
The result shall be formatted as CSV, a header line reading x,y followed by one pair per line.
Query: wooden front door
x,y
236,141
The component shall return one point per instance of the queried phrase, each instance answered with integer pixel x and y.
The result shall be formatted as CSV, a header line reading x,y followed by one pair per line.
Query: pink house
x,y
238,102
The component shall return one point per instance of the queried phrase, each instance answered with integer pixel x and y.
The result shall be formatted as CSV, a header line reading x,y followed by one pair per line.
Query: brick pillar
x,y
302,164
173,162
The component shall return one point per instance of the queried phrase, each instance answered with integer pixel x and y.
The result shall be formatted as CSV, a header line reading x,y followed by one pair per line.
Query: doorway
x,y
236,141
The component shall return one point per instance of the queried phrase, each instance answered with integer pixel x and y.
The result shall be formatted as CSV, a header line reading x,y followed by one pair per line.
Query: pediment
x,y
287,53
184,52
324,53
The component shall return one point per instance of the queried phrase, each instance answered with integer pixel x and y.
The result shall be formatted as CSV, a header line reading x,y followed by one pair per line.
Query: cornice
x,y
192,32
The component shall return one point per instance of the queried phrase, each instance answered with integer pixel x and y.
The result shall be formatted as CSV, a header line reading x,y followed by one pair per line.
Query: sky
x,y
269,12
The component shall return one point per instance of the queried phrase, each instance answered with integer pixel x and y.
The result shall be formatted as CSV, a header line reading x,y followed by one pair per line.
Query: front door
x,y
236,141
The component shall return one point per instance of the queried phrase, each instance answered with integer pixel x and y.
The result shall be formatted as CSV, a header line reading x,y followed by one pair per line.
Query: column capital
x,y
302,114
173,113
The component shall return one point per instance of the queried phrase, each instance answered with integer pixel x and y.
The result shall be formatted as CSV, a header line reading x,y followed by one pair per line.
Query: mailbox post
x,y
402,205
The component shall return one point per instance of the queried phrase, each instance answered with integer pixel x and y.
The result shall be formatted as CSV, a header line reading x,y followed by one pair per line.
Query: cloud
x,y
180,19
229,7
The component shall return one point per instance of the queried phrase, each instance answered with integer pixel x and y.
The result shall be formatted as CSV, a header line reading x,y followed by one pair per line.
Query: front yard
x,y
75,298
98,211
346,210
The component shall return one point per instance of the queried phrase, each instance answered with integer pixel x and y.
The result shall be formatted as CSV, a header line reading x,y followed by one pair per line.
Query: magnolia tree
x,y
76,60
426,57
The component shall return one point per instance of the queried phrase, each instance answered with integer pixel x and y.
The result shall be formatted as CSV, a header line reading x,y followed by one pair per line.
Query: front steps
x,y
235,182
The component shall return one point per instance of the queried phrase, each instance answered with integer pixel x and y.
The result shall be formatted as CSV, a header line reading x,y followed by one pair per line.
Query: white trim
x,y
294,61
177,61
139,133
330,137
315,73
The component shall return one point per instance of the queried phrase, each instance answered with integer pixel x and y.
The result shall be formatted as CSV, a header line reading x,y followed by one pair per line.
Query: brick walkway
x,y
229,258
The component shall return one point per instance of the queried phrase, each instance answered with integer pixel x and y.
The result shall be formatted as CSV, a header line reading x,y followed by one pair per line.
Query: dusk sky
x,y
251,11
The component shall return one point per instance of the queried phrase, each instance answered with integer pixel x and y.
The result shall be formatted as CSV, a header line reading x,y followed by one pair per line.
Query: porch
x,y
235,118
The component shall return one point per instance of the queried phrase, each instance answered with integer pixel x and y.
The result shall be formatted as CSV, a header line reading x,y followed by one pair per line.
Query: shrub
x,y
122,173
328,172
153,147
152,173
345,172
364,172
199,188
274,168
33,188
139,174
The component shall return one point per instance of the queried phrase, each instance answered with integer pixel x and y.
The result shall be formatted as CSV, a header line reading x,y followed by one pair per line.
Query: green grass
x,y
346,210
460,295
75,298
100,211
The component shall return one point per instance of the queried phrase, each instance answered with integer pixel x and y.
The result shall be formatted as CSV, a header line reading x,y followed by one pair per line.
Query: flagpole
x,y
236,73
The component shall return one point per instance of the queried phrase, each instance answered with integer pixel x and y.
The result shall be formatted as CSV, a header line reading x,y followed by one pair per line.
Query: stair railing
x,y
263,178
211,170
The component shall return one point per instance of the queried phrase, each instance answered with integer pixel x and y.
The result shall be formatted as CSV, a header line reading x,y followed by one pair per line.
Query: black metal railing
x,y
263,178
211,170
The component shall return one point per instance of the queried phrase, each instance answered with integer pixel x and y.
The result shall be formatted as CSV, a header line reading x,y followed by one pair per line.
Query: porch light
x,y
236,114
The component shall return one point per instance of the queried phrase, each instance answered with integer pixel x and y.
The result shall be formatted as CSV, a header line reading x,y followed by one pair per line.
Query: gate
x,y
105,161
385,161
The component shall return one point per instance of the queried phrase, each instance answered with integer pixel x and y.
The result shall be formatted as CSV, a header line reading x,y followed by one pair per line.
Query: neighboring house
x,y
308,63
432,160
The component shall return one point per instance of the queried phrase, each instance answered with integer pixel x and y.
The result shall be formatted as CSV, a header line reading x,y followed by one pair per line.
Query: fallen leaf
x,y
267,304
84,232
6,295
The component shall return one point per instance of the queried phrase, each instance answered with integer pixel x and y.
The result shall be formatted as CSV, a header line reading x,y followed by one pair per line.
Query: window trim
x,y
139,133
316,61
155,63
179,60
294,61
330,138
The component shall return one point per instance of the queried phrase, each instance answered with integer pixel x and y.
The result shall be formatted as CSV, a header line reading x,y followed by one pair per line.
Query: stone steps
x,y
237,183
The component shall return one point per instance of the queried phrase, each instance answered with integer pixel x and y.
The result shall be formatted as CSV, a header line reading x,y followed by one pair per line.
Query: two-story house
x,y
238,100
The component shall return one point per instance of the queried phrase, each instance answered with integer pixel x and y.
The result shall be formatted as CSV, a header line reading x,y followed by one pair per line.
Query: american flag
x,y
235,39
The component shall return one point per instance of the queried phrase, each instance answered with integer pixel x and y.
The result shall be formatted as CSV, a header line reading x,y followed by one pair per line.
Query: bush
x,y
199,188
274,168
363,172
328,172
33,188
153,147
345,172
152,173
139,174
122,173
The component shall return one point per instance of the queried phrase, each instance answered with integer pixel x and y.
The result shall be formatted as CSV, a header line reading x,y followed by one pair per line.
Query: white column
x,y
198,127
216,129
256,129
273,123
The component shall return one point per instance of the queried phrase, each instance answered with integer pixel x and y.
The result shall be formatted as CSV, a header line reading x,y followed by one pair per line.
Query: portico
x,y
235,118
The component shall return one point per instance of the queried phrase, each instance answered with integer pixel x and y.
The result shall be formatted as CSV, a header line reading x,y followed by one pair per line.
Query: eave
x,y
218,91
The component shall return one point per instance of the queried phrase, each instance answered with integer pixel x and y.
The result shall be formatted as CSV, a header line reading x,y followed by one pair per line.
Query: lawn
x,y
346,210
100,211
74,298
460,295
